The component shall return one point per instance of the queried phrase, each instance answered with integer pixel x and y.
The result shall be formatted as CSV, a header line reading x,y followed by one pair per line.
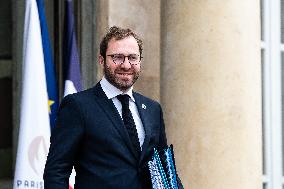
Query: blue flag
x,y
72,76
51,83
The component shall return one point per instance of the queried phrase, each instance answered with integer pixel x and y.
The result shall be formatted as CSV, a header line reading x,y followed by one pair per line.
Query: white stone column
x,y
211,91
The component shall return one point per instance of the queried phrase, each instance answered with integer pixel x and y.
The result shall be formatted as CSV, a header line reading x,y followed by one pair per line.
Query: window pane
x,y
282,21
6,127
6,29
263,116
282,101
261,18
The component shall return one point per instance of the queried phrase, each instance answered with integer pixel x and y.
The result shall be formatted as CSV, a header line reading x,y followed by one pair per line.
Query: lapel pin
x,y
144,106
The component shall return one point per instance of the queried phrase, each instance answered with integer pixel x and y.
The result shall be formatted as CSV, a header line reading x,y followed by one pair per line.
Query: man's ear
x,y
101,60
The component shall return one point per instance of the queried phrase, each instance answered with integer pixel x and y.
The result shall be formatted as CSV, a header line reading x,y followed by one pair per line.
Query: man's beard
x,y
122,85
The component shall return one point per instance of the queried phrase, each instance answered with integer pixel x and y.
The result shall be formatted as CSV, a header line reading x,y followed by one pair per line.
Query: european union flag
x,y
51,83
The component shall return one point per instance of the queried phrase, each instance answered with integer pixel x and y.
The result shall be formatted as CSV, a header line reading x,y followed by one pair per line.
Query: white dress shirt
x,y
111,93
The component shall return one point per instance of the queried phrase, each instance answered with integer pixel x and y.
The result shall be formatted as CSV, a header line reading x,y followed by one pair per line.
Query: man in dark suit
x,y
108,132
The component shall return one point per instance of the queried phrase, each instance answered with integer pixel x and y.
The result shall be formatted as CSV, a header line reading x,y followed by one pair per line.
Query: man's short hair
x,y
118,33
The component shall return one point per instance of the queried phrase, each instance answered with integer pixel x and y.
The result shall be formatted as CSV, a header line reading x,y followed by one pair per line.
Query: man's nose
x,y
126,64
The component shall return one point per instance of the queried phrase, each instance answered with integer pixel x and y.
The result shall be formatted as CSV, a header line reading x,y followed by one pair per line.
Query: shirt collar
x,y
111,91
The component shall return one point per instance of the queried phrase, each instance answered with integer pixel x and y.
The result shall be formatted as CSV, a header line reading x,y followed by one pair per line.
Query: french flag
x,y
71,72
72,76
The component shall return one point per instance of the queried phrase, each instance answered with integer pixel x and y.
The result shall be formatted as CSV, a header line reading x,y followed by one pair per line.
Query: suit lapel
x,y
112,113
142,109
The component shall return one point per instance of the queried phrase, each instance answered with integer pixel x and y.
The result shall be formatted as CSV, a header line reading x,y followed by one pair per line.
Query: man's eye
x,y
133,57
118,57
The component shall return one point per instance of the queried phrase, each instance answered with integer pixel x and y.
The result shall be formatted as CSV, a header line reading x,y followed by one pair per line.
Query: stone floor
x,y
6,183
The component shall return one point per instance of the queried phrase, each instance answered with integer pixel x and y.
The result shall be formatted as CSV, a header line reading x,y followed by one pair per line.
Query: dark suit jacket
x,y
91,136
